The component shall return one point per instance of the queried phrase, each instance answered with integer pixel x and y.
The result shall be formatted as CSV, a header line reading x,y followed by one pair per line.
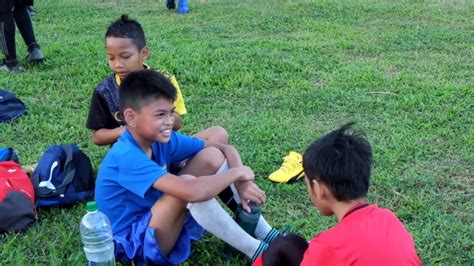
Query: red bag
x,y
17,198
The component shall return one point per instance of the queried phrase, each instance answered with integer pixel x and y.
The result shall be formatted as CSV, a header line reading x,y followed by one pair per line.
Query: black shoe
x,y
35,56
15,68
170,4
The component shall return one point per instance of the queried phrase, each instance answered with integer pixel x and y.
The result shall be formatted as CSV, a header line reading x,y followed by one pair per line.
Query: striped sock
x,y
261,248
271,235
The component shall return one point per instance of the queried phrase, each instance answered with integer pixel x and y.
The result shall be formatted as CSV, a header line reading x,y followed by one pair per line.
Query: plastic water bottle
x,y
247,221
96,235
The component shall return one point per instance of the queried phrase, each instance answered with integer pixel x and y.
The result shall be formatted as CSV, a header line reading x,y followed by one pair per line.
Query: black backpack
x,y
10,106
63,176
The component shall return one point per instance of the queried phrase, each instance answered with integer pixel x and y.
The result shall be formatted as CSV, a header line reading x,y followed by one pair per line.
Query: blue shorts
x,y
139,245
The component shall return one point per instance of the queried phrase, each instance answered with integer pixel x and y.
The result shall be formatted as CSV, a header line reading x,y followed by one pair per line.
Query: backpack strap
x,y
69,168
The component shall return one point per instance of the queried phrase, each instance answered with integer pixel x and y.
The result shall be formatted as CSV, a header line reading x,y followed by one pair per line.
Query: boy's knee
x,y
213,158
219,134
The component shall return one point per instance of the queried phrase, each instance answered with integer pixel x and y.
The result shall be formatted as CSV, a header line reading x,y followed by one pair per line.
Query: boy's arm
x,y
105,129
193,189
229,151
106,136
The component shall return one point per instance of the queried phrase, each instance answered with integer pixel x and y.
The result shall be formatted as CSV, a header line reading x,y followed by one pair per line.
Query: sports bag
x,y
63,176
17,199
8,154
10,106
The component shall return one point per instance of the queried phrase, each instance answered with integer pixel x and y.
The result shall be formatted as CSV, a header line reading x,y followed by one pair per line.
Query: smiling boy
x,y
156,214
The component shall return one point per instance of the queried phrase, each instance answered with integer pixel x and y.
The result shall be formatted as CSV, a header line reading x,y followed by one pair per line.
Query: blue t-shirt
x,y
124,183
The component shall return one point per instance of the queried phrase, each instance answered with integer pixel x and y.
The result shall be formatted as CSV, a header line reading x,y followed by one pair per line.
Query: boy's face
x,y
154,122
124,56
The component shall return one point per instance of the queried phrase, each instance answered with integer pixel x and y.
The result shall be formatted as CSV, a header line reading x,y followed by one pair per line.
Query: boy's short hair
x,y
124,27
287,250
342,161
139,87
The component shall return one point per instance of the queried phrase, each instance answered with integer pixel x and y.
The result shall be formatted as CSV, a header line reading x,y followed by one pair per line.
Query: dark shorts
x,y
139,245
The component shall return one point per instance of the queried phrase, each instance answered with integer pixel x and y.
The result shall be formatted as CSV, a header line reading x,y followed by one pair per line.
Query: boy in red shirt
x,y
337,169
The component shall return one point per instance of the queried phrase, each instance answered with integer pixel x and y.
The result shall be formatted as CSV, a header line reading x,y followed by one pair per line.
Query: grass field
x,y
276,75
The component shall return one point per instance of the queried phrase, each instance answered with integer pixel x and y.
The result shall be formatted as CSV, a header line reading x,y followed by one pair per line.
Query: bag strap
x,y
69,170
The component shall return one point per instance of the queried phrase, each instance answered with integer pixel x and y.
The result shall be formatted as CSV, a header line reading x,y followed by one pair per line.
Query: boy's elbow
x,y
96,139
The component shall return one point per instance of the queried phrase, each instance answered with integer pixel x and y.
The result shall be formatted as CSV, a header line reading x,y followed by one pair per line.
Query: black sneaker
x,y
170,4
15,68
35,56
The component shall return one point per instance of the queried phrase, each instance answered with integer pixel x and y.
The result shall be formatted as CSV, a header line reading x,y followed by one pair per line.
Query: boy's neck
x,y
144,144
340,208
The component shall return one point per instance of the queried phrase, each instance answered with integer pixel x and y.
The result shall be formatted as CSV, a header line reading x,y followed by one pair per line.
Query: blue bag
x,y
63,176
10,106
8,154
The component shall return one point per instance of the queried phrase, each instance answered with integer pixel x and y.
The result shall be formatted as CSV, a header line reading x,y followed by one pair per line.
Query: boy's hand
x,y
249,191
245,173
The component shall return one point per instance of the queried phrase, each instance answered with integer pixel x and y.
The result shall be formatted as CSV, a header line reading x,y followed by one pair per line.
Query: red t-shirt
x,y
367,235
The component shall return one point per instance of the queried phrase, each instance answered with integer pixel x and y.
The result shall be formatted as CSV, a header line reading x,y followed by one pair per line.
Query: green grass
x,y
276,75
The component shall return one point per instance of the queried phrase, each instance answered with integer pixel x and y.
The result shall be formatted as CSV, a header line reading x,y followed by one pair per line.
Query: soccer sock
x,y
210,215
264,231
227,195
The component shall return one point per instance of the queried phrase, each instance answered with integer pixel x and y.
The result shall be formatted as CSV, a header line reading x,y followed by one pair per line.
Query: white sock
x,y
224,167
263,231
210,215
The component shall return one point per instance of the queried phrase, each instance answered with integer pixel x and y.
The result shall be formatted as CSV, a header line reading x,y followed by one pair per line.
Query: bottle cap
x,y
91,206
254,207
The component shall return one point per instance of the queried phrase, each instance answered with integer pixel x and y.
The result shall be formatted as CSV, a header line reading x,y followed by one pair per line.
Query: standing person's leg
x,y
7,36
25,26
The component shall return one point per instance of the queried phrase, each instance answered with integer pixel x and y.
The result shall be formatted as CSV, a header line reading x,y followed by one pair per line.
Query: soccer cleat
x,y
290,171
35,56
183,7
170,4
15,68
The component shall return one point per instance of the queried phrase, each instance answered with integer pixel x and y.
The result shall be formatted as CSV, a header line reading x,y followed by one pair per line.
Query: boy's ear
x,y
324,191
320,189
145,53
129,115
311,183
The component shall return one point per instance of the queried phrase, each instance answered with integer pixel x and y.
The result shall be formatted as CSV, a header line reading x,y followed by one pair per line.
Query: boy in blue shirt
x,y
126,52
155,214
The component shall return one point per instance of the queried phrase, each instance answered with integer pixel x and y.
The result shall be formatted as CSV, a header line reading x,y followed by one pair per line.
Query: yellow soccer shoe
x,y
290,171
